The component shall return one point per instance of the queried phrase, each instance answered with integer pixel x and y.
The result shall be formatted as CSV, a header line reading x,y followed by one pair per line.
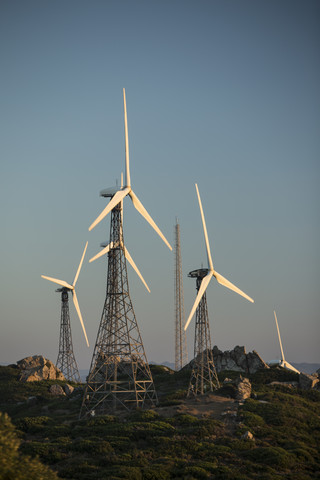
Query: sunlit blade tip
x,y
80,265
223,281
134,266
210,264
138,206
128,181
58,282
101,253
76,304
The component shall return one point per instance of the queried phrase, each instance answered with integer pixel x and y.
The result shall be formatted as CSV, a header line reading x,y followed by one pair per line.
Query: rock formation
x,y
307,382
56,390
243,388
36,368
238,360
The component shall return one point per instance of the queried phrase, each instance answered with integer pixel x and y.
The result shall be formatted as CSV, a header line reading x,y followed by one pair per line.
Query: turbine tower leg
x,y
203,376
120,376
66,361
181,354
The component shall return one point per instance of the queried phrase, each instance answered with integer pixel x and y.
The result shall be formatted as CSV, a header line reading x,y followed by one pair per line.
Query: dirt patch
x,y
203,406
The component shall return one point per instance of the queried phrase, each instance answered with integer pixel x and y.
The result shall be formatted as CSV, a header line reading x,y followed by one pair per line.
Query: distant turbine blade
x,y
113,202
76,304
102,252
59,282
80,265
138,205
223,281
275,317
128,181
135,268
205,282
210,264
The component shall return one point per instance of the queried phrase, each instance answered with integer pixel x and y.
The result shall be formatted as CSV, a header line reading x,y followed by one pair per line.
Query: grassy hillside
x,y
145,445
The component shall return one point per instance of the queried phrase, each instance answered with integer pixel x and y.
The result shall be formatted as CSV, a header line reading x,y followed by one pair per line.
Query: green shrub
x,y
185,419
32,424
196,472
101,420
252,420
272,456
144,416
155,474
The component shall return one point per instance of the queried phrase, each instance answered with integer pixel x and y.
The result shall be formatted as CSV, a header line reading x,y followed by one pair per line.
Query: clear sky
x,y
222,93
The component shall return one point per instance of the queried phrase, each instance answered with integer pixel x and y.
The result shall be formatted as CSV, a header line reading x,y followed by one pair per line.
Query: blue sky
x,y
222,93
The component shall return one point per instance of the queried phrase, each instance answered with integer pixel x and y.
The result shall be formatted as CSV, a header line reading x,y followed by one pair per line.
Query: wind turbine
x,y
210,272
283,363
119,195
66,287
111,245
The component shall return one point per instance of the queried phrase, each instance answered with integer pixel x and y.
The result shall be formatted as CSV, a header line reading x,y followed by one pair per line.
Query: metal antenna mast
x,y
66,361
181,354
203,376
120,376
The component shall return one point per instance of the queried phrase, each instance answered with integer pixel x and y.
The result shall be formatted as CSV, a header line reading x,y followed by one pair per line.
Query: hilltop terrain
x,y
273,435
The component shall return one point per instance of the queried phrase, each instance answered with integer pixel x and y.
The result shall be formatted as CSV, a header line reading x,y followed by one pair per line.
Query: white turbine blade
x,y
205,282
76,304
135,268
121,212
138,205
102,252
113,202
223,281
128,181
282,354
59,282
210,264
80,265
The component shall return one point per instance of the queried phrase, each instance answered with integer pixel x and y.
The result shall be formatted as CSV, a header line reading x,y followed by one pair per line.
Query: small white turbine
x,y
71,288
211,272
127,190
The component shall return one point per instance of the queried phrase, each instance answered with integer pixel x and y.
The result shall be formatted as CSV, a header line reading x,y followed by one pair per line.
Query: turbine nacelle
x,y
210,272
120,194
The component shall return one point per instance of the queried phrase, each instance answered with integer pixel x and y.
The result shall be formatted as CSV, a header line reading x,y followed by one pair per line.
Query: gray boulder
x,y
307,382
68,389
56,390
37,368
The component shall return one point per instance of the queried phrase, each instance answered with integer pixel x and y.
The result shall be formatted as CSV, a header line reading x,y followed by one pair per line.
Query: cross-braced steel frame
x,y
120,376
203,376
181,354
66,361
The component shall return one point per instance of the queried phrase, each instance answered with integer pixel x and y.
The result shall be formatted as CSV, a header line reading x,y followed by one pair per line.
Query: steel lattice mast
x,y
66,361
203,376
119,377
181,354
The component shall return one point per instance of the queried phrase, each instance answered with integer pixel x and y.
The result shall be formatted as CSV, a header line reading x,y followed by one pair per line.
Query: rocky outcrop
x,y
243,389
307,382
238,360
36,368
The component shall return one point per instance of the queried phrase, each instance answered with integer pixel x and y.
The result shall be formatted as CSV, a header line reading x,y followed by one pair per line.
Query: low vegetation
x,y
44,434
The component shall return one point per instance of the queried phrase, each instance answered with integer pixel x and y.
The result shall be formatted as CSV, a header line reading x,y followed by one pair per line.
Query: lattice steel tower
x,y
203,376
119,377
66,361
181,354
